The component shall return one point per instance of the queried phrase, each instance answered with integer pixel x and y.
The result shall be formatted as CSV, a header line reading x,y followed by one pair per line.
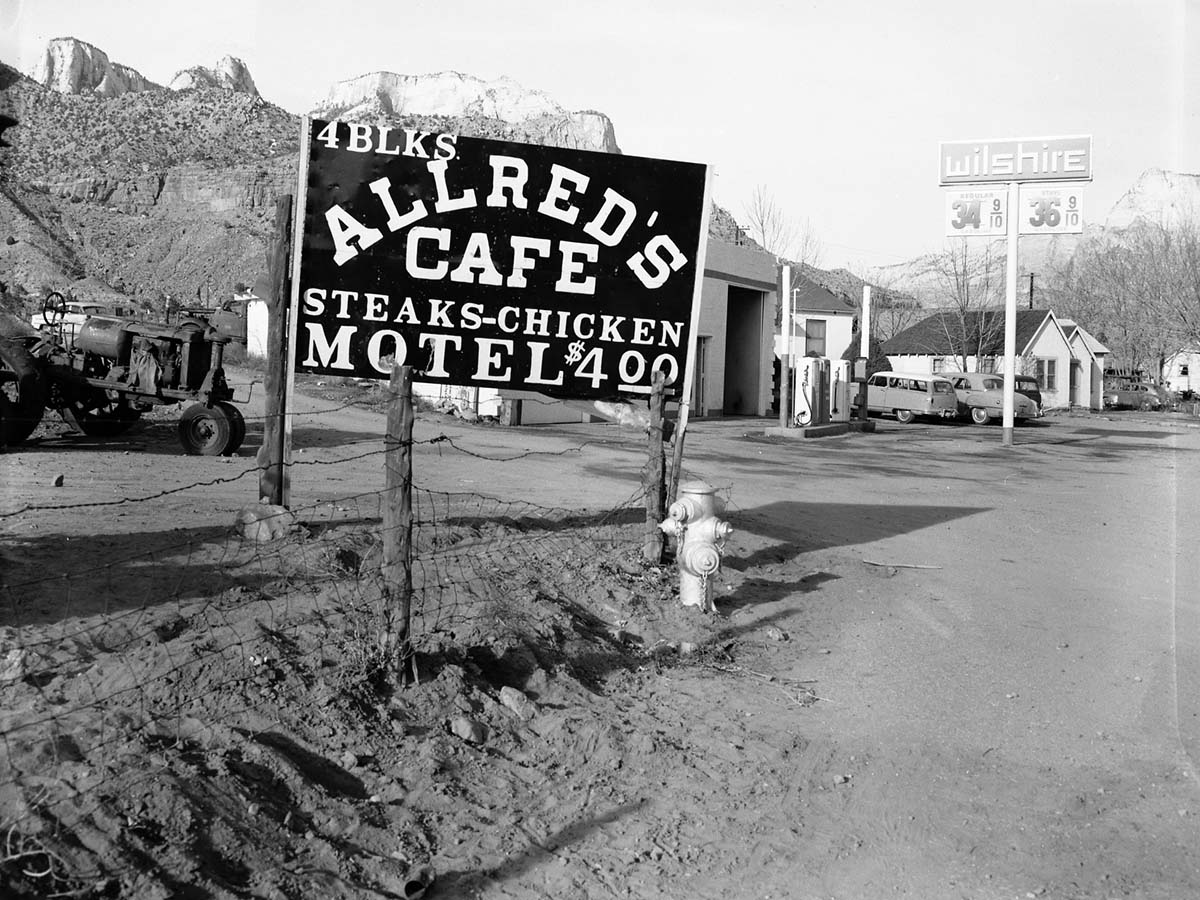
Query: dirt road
x,y
939,669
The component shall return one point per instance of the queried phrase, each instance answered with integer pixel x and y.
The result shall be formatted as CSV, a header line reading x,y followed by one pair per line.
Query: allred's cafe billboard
x,y
491,263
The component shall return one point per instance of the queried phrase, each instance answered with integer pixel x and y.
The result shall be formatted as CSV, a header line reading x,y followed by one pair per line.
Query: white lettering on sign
x,y
563,200
353,306
1034,159
365,139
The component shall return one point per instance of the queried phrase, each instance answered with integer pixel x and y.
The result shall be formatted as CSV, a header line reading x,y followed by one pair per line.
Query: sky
x,y
834,108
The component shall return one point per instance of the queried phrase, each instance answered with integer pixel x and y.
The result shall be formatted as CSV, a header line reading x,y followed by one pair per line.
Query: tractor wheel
x,y
979,415
22,393
238,426
96,414
905,416
206,431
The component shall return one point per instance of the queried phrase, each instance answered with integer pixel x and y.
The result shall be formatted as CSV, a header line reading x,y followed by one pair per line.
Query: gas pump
x,y
812,401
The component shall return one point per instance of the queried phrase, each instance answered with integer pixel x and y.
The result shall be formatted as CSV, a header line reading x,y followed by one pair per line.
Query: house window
x,y
1183,370
987,365
1047,374
939,365
814,343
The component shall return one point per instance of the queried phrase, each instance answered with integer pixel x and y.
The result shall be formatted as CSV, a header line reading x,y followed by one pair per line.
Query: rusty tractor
x,y
103,372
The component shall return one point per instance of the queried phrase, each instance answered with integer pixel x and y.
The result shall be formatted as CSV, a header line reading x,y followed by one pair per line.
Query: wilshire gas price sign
x,y
490,263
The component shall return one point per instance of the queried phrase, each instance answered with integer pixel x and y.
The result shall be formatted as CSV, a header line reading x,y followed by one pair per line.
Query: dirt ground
x,y
939,668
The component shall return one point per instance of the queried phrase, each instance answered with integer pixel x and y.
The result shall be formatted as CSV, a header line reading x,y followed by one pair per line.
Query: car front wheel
x,y
979,415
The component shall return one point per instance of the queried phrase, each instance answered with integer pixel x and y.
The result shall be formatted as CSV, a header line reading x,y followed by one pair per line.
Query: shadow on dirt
x,y
49,577
802,527
1123,433
315,436
724,641
154,438
553,520
756,591
462,884
316,768
578,640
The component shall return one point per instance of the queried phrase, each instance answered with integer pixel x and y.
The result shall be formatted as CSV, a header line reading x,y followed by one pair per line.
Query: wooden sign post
x,y
394,639
273,475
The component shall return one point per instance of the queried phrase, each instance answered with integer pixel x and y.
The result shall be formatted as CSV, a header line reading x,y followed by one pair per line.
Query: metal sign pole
x,y
689,372
1010,311
785,349
294,303
864,328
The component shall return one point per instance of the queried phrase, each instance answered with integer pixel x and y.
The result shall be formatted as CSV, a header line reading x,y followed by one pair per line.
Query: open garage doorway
x,y
743,349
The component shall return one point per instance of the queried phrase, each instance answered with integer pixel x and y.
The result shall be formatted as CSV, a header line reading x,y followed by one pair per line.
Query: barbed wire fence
x,y
113,646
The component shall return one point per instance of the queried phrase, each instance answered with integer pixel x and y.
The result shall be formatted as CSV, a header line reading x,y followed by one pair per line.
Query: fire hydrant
x,y
700,537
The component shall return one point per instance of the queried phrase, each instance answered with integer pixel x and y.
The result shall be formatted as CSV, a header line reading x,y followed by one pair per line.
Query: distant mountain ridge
x,y
1157,197
72,66
438,94
230,73
380,97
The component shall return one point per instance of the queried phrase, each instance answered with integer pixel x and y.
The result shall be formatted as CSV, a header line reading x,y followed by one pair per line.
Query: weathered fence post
x,y
272,479
652,475
395,640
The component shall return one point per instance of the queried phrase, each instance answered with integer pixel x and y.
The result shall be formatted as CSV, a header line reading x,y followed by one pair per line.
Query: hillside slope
x,y
171,194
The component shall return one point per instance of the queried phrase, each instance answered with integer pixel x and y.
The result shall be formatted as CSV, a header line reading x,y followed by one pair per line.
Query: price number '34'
x,y
970,214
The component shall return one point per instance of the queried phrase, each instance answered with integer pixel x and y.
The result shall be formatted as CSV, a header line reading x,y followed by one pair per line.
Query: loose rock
x,y
524,708
13,665
265,522
468,729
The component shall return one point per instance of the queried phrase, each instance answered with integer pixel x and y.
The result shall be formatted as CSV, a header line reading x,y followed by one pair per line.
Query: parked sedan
x,y
981,396
1028,385
1139,395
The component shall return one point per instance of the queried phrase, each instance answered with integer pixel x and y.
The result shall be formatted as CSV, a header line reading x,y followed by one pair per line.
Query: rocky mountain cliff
x,y
381,97
440,94
229,74
72,66
1157,197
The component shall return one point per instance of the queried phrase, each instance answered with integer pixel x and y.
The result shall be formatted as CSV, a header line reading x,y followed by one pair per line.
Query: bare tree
x,y
892,309
779,234
806,248
768,223
1137,290
966,290
789,242
1170,278
893,313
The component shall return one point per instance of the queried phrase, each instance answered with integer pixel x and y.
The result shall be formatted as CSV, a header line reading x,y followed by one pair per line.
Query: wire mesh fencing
x,y
116,639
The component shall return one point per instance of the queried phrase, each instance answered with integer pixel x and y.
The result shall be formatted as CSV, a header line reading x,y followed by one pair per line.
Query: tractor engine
x,y
145,356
